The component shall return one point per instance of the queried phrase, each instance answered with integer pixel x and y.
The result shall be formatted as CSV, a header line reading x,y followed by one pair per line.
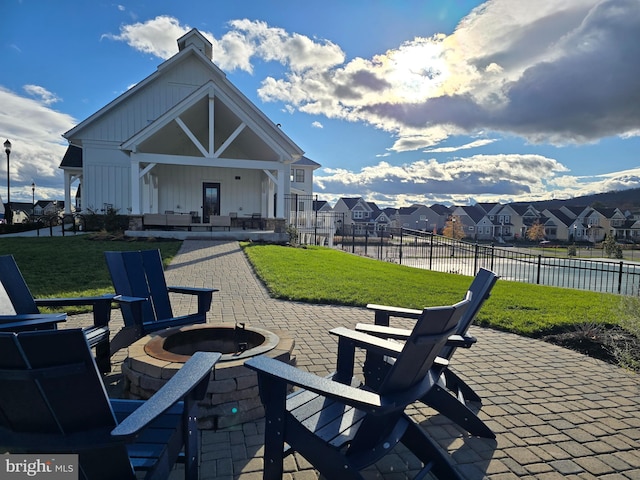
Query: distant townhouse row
x,y
496,222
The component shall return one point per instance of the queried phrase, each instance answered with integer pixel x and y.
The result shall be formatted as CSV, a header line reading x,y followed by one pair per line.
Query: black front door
x,y
210,201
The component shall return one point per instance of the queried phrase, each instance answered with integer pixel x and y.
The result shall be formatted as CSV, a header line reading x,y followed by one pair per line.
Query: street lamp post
x,y
8,215
33,201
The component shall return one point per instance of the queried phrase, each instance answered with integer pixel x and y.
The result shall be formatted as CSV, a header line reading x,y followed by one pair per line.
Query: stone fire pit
x,y
232,396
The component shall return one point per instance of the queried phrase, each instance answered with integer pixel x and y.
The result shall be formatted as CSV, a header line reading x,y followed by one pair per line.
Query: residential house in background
x,y
559,226
380,220
185,140
489,222
360,217
418,217
470,216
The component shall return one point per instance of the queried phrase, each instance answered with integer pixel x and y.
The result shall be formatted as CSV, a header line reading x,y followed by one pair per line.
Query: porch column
x,y
67,192
135,186
280,197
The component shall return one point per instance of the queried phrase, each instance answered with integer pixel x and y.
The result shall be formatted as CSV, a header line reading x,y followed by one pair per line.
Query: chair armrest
x,y
348,341
368,342
191,290
31,321
193,374
101,306
464,341
384,312
205,296
278,371
128,300
383,332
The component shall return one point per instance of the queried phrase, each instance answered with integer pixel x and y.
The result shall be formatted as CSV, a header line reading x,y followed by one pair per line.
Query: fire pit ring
x,y
232,396
235,343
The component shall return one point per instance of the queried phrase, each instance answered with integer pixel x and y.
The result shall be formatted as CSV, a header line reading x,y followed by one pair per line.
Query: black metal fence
x,y
434,252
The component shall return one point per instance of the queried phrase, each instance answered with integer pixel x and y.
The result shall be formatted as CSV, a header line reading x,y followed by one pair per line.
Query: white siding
x,y
128,118
179,186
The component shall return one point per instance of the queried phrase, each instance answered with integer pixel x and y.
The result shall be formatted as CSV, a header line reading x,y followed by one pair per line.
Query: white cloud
x,y
37,147
563,72
466,146
479,176
157,36
506,68
317,124
45,96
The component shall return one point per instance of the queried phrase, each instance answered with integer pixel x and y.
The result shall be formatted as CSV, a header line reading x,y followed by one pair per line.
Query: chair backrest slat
x,y
50,386
480,288
140,274
152,261
429,334
16,288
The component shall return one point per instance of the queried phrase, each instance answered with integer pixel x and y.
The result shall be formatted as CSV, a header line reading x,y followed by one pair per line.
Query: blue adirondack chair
x,y
341,429
53,401
23,303
143,294
452,395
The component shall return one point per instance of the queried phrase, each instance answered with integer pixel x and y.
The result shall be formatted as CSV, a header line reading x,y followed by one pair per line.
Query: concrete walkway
x,y
557,414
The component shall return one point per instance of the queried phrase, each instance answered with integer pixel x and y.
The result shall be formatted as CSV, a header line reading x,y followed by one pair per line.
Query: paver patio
x,y
556,413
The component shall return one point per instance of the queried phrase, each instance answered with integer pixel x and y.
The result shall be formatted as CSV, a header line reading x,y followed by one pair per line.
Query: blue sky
x,y
401,102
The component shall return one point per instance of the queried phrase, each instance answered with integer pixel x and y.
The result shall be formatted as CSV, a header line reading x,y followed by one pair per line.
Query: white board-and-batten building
x,y
183,140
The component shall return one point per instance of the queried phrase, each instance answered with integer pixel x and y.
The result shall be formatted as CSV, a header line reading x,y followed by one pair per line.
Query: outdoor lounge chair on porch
x,y
138,279
53,401
451,396
341,429
23,303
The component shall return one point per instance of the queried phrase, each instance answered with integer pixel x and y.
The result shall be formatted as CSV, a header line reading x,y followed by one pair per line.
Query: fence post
x,y
620,278
539,268
475,258
431,253
493,248
366,240
400,255
353,238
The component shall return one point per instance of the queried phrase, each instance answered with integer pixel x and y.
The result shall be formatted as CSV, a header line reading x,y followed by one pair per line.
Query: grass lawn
x,y
71,266
75,266
323,275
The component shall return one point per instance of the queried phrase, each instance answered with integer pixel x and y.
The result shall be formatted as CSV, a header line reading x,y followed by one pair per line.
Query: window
x,y
299,175
357,214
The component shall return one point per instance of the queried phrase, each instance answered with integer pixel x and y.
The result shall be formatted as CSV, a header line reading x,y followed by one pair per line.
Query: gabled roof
x,y
306,162
608,212
521,209
560,215
351,202
390,211
374,208
194,46
487,207
407,210
319,204
575,210
473,212
440,209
